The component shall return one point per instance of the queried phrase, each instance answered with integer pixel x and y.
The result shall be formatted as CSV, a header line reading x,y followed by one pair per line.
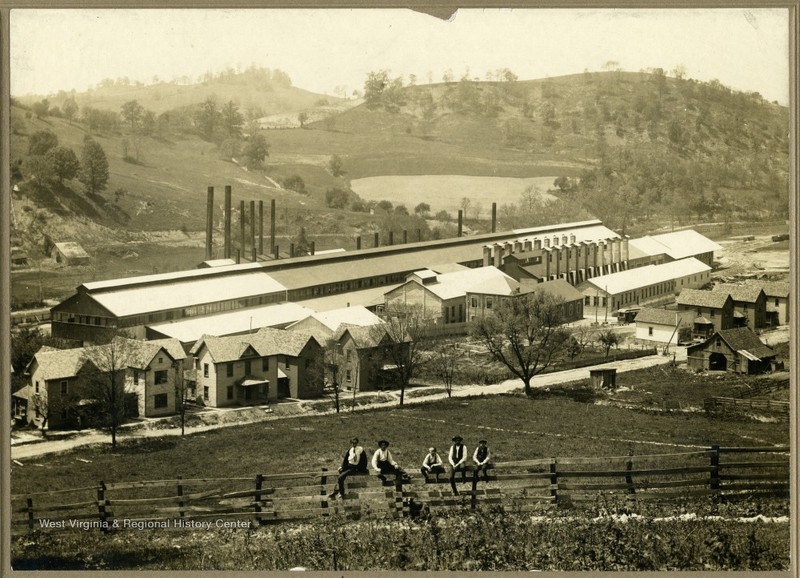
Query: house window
x,y
265,364
473,302
37,387
135,377
488,303
719,342
230,392
205,370
348,376
247,367
776,303
712,313
205,392
63,388
287,363
229,369
160,360
161,376
650,331
160,400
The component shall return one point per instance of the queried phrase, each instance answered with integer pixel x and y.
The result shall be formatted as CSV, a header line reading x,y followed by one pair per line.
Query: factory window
x,y
488,303
588,300
473,301
160,400
650,331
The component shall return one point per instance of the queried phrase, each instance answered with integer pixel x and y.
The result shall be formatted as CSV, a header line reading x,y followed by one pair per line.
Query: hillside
x,y
637,150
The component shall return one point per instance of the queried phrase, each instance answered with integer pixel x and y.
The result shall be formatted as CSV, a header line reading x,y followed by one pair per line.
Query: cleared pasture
x,y
444,192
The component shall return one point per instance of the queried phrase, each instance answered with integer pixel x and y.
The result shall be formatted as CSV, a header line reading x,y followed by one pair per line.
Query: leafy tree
x,y
608,338
255,151
207,118
336,198
302,118
39,169
231,120
133,113
302,246
70,109
385,205
94,166
295,183
64,163
525,334
443,216
41,142
41,108
422,209
374,86
335,166
401,210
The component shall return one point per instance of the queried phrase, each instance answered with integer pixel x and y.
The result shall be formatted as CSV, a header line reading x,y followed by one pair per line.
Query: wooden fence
x,y
515,486
733,404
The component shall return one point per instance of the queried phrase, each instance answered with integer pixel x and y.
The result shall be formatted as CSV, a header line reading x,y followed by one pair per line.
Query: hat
x,y
354,441
381,442
482,441
431,450
458,439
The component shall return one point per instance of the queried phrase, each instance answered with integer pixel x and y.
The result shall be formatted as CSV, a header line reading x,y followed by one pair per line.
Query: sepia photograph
x,y
380,289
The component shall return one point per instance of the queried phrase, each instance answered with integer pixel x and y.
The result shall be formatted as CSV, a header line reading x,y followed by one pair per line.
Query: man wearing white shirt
x,y
432,464
481,459
383,462
458,461
353,462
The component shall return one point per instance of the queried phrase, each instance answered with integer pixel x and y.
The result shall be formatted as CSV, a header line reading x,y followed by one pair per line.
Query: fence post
x,y
323,493
474,499
29,502
553,480
180,496
399,502
714,479
101,505
257,496
628,476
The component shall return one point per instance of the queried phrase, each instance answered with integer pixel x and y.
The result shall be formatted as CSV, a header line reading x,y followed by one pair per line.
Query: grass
x,y
552,424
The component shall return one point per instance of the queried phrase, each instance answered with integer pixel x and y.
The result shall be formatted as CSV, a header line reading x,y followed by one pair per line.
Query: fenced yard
x,y
721,473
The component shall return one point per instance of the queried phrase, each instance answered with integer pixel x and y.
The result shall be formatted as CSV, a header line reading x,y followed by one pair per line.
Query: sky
x,y
321,49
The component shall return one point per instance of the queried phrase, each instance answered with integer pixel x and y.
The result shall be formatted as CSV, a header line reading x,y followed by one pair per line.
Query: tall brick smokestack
x,y
227,221
272,228
242,246
377,239
253,228
460,221
209,221
260,227
494,217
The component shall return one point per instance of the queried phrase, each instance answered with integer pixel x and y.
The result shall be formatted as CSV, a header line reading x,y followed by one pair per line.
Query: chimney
x,y
260,227
391,237
291,250
358,243
555,240
238,256
460,221
272,227
537,244
498,255
527,245
517,247
548,253
494,217
276,252
313,247
377,240
253,228
547,242
241,228
255,255
405,236
209,221
228,222
563,239
572,238
487,255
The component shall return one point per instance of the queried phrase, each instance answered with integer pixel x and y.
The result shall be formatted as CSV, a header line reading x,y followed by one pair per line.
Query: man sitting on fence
x,y
481,459
458,462
354,462
432,464
383,462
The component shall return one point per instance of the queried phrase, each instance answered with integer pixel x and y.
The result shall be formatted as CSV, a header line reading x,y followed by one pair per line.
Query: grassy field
x,y
444,192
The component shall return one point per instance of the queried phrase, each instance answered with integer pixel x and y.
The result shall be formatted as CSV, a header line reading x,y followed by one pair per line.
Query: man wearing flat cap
x,y
458,462
383,462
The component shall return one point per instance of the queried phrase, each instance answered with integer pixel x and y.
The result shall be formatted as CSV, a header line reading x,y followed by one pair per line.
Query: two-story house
x,y
749,304
364,357
257,368
713,311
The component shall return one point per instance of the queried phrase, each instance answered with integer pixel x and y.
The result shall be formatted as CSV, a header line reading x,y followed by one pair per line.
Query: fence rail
x,y
516,486
734,404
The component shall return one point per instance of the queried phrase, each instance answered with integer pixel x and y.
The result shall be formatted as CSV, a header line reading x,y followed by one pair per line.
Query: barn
x,y
738,350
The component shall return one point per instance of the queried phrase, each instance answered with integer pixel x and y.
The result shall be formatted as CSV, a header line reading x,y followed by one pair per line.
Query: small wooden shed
x,y
603,378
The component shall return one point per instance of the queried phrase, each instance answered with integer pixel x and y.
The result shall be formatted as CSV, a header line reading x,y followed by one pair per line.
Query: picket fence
x,y
724,473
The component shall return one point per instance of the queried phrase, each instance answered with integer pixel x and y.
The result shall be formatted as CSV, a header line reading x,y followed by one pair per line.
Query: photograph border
x,y
441,10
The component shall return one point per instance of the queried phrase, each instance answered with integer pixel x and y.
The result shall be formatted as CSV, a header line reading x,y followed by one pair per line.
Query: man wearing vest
x,y
458,462
481,459
354,462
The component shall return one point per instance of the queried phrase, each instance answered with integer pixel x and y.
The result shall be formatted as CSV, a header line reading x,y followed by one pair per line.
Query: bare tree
x,y
181,394
465,205
105,369
525,334
608,338
334,368
443,362
407,329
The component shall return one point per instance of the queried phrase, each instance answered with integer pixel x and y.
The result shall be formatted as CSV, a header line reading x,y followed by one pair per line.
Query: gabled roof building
x,y
738,350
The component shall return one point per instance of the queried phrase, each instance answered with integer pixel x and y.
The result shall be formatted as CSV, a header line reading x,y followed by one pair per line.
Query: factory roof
x,y
357,315
639,277
677,244
206,272
232,323
137,300
485,280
